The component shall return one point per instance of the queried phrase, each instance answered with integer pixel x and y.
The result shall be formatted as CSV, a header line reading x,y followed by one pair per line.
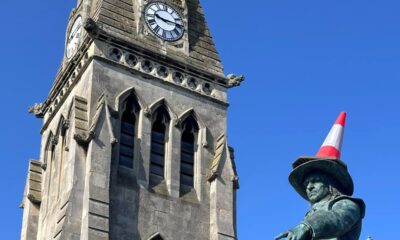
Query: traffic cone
x,y
332,146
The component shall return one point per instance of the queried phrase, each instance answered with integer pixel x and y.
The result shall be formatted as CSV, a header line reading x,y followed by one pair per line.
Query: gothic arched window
x,y
190,130
49,166
130,110
63,132
159,131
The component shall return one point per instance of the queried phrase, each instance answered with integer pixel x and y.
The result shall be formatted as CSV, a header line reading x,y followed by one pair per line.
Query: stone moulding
x,y
34,182
158,103
203,128
82,134
219,150
222,147
67,77
85,129
235,178
156,236
71,71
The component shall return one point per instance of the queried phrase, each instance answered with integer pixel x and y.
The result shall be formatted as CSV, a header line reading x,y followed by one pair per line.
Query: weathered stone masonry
x,y
79,188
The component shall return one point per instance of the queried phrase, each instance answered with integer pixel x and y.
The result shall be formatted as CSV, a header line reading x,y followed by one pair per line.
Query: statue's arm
x,y
335,222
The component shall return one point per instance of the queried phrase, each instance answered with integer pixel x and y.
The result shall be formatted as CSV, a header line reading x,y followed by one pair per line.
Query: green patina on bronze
x,y
328,186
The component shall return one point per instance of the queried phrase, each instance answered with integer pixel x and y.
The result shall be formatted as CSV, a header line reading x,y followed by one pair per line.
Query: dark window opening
x,y
158,145
128,132
188,150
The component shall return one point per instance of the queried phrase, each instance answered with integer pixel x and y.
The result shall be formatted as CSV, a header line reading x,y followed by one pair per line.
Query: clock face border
x,y
77,27
165,8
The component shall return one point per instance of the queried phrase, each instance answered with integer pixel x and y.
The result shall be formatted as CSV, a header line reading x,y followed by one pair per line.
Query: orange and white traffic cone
x,y
332,146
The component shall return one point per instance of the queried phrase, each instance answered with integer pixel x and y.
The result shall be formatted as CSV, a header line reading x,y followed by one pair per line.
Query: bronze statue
x,y
325,182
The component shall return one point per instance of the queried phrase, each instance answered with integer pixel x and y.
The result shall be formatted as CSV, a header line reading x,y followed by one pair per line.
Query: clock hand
x,y
72,34
167,21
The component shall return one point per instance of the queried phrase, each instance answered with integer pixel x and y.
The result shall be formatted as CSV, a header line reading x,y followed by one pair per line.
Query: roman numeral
x,y
170,35
156,28
164,34
177,32
151,21
173,34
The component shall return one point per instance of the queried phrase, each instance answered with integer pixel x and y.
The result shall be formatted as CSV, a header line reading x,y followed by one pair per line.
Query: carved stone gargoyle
x,y
235,81
37,110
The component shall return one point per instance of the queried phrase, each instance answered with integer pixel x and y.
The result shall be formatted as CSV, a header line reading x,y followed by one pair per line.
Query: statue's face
x,y
317,187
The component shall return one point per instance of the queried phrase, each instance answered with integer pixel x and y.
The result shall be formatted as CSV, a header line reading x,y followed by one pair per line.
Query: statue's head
x,y
319,186
330,174
327,160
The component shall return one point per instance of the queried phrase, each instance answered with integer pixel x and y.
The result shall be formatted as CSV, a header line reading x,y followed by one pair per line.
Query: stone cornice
x,y
136,59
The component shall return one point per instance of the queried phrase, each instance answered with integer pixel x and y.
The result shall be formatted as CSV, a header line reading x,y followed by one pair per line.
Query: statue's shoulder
x,y
358,201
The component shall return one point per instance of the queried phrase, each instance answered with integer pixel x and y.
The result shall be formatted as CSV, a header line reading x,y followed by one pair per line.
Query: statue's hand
x,y
300,232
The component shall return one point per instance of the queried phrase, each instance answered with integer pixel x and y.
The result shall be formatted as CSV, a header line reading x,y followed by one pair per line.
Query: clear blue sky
x,y
305,61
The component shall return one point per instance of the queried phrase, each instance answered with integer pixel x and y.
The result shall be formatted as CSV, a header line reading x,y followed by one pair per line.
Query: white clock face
x,y
164,21
74,37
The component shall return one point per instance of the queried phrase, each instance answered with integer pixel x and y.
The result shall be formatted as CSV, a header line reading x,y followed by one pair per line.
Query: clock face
x,y
164,21
74,37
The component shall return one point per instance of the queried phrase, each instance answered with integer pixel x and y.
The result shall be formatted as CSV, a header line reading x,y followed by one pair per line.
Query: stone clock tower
x,y
134,141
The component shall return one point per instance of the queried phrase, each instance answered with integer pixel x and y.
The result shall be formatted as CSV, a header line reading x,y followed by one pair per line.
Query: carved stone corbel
x,y
147,112
84,138
33,199
44,166
54,140
65,126
178,122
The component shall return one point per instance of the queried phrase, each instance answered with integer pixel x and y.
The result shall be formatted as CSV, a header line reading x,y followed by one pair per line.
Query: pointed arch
x,y
68,126
128,93
129,110
49,147
70,109
157,104
62,134
156,236
48,162
186,114
160,123
60,126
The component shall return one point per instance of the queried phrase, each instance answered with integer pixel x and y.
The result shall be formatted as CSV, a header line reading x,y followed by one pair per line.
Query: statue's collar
x,y
323,203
